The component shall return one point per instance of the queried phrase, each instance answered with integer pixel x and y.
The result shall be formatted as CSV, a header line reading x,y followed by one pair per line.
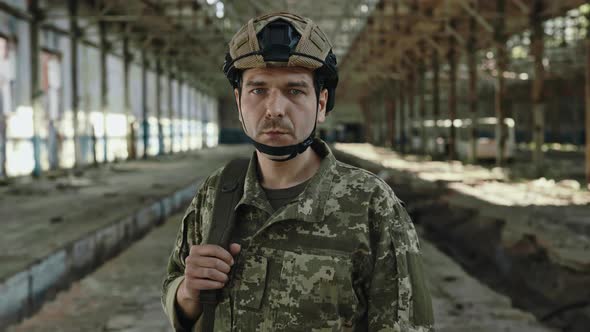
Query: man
x,y
318,245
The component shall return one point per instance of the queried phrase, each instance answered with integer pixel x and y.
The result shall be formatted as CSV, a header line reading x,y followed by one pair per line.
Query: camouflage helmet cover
x,y
309,47
313,42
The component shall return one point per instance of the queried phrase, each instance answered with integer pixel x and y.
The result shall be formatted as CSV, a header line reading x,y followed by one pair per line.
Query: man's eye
x,y
295,92
257,91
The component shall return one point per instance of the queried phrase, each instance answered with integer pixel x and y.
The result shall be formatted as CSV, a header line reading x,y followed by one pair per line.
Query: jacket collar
x,y
309,205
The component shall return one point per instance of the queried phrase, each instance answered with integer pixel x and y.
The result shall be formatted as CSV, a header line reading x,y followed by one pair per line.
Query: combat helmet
x,y
288,40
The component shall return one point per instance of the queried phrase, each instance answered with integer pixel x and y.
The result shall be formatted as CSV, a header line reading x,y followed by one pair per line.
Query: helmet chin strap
x,y
291,151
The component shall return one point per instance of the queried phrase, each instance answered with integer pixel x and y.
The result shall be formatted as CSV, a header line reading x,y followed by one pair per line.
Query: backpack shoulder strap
x,y
229,192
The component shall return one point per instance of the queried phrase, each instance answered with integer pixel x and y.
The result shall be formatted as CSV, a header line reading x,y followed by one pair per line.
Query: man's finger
x,y
209,262
203,284
235,249
206,273
212,251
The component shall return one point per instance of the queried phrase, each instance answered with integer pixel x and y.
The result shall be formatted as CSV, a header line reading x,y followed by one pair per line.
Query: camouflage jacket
x,y
342,256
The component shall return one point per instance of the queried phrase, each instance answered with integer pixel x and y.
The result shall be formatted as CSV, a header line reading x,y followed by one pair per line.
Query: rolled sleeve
x,y
170,305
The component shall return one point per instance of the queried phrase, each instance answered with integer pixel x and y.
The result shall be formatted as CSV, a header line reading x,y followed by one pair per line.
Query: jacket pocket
x,y
253,283
318,289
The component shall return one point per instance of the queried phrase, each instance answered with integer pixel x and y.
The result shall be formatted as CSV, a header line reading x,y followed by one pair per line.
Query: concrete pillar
x,y
435,95
171,108
104,92
411,88
395,111
402,115
75,34
368,121
422,95
381,120
472,65
35,81
452,58
144,107
181,116
502,62
390,109
388,121
537,49
189,112
131,135
159,106
588,113
3,143
180,110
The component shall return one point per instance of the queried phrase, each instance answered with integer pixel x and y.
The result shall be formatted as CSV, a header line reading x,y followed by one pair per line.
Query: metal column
x,y
435,96
131,151
390,109
75,34
35,80
537,49
402,120
588,105
366,110
411,108
422,94
3,142
502,62
389,121
171,108
159,106
189,113
452,58
180,112
472,65
144,108
104,93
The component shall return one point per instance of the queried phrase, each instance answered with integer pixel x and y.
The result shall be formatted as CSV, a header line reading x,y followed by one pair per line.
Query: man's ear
x,y
322,103
238,104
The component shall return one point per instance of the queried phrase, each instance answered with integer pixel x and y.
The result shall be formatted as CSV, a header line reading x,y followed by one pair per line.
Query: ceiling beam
x,y
522,6
482,21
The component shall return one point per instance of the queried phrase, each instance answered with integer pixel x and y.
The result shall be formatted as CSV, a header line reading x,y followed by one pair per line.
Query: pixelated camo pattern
x,y
342,256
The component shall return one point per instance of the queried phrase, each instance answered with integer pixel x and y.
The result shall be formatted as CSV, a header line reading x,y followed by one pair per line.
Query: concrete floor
x,y
527,238
123,295
58,211
54,230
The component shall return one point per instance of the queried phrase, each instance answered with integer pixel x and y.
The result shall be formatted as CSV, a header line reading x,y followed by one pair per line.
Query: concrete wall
x,y
104,135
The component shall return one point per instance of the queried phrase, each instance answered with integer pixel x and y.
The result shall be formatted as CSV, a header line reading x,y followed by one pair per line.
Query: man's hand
x,y
206,267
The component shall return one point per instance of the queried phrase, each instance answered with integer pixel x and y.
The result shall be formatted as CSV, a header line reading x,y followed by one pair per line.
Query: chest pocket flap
x,y
253,282
318,286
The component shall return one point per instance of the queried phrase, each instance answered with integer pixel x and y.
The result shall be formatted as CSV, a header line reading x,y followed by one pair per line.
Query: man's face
x,y
279,104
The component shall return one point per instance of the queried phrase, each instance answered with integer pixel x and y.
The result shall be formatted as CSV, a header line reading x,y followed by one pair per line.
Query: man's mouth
x,y
275,131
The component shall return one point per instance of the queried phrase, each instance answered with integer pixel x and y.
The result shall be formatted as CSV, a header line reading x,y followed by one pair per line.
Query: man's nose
x,y
275,104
